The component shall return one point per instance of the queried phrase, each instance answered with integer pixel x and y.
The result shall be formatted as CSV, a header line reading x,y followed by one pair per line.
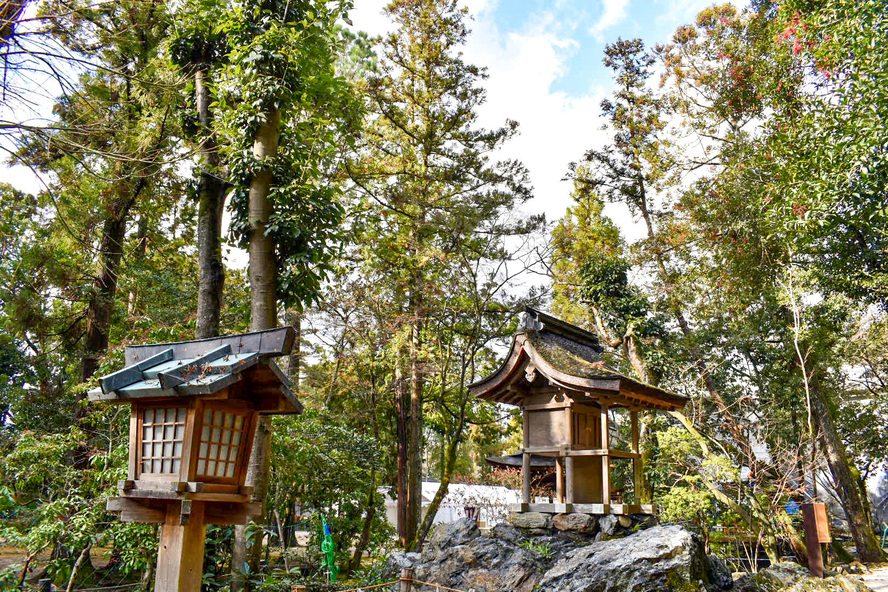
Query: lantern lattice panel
x,y
163,431
221,441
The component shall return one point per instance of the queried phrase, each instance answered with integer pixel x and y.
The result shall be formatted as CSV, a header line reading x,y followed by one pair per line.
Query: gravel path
x,y
877,579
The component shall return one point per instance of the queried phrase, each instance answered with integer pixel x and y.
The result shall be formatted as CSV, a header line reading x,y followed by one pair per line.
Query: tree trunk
x,y
263,315
403,407
211,201
101,301
132,306
263,262
294,363
446,474
414,493
848,484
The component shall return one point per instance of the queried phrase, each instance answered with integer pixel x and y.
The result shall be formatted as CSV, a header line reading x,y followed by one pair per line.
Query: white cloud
x,y
523,66
613,13
367,15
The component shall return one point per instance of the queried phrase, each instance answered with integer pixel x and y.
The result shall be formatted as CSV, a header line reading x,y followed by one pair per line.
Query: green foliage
x,y
605,284
282,56
58,506
544,550
826,199
329,469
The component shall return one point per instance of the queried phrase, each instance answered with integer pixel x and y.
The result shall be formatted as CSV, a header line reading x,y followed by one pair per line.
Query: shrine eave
x,y
575,367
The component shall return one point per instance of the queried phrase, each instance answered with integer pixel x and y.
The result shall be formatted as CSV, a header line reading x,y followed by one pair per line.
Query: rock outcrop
x,y
660,558
512,559
570,553
790,577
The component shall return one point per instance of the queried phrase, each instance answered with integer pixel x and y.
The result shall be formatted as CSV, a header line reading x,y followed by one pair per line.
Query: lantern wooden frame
x,y
227,377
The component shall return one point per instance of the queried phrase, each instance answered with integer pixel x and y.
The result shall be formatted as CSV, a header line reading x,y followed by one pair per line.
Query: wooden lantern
x,y
556,374
195,405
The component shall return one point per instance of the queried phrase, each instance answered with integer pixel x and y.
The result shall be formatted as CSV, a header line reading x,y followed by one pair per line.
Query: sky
x,y
543,58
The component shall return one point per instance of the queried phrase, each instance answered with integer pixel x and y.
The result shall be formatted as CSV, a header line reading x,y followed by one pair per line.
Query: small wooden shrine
x,y
556,374
195,405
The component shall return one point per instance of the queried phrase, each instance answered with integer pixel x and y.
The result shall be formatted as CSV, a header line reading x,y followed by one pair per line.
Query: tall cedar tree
x,y
197,48
639,169
760,66
429,185
286,117
115,128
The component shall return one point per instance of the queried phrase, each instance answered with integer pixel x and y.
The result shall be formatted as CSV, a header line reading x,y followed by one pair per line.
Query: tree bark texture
x,y
263,311
414,493
446,474
263,263
211,202
848,484
403,407
104,288
294,363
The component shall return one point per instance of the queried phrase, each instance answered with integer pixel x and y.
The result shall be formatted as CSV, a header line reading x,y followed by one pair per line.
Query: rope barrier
x,y
362,588
412,581
436,586
117,587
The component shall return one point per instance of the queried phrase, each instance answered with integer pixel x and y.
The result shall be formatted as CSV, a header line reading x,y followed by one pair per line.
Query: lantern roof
x,y
547,351
204,367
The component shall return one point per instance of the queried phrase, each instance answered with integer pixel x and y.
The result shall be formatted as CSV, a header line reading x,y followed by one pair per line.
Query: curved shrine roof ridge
x,y
548,351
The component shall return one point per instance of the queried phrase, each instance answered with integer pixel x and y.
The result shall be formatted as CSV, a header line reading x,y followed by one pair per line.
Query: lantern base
x,y
157,511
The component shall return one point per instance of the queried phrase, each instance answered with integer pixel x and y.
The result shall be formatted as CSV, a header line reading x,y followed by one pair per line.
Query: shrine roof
x,y
203,367
550,352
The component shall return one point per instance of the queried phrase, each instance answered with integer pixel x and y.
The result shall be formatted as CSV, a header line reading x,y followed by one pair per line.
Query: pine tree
x,y
432,193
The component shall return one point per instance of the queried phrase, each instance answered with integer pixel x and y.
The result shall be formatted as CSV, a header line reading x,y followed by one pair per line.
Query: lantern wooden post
x,y
195,406
605,459
181,550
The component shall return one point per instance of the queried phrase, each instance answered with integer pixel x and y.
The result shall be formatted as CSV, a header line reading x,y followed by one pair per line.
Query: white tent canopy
x,y
492,502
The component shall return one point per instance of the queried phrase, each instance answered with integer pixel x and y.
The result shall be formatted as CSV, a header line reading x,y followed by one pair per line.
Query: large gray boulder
x,y
511,559
657,559
459,556
790,577
664,558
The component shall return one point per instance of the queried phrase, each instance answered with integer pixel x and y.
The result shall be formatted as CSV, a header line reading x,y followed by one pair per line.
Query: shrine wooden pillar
x,y
525,474
605,459
569,476
559,479
637,467
525,461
